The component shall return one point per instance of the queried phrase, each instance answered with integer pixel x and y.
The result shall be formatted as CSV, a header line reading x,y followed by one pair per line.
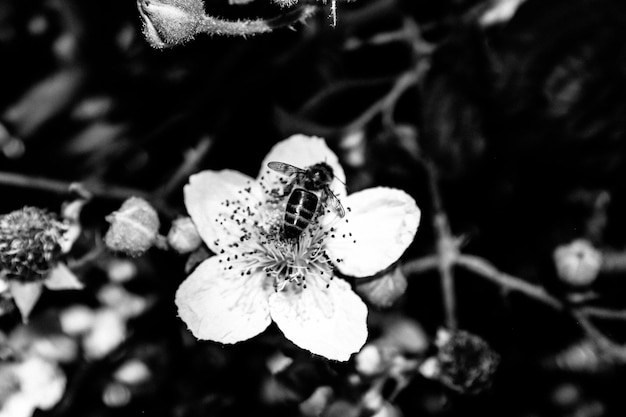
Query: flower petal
x,y
330,322
206,196
303,151
221,305
379,227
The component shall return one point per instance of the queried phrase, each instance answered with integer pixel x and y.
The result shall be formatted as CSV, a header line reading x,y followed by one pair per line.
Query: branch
x,y
582,315
484,269
107,191
95,189
447,248
192,159
402,83
604,313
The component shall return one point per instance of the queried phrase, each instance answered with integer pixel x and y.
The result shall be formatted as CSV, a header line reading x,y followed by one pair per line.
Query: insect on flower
x,y
309,195
258,276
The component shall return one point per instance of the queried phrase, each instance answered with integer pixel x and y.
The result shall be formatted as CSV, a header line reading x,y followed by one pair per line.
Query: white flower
x,y
258,277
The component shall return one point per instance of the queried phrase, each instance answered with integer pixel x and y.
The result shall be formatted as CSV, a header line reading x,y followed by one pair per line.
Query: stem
x,y
216,26
582,315
95,189
447,249
113,192
192,159
417,266
402,83
604,313
484,269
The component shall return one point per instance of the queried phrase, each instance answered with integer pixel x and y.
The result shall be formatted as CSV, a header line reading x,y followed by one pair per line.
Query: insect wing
x,y
333,202
284,168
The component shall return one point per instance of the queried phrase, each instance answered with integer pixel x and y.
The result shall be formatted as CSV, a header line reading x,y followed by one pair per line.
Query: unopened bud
x,y
29,243
134,227
464,362
385,290
577,263
170,22
183,237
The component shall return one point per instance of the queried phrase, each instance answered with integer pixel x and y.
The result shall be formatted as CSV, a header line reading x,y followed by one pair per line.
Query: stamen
x,y
261,247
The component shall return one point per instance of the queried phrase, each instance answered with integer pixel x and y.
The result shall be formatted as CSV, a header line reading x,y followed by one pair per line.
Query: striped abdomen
x,y
301,208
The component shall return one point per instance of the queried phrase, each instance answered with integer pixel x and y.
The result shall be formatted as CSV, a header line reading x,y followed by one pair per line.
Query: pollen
x,y
262,249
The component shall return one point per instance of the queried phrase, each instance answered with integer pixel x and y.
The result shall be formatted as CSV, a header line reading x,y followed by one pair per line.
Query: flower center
x,y
292,261
286,263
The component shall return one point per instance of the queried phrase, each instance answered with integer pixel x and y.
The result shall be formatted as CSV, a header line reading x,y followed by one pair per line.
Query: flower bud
x,y
183,236
29,243
385,290
464,362
370,361
577,263
170,22
134,227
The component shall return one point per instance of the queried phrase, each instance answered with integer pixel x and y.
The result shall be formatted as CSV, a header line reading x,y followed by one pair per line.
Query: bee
x,y
309,194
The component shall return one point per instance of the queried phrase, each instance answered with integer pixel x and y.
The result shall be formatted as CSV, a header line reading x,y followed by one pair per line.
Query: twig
x,y
582,315
320,99
604,313
97,190
417,266
447,248
402,83
190,163
484,269
108,191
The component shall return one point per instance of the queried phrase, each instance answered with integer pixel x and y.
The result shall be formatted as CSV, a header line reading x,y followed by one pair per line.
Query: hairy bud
x,y
134,227
29,243
170,22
